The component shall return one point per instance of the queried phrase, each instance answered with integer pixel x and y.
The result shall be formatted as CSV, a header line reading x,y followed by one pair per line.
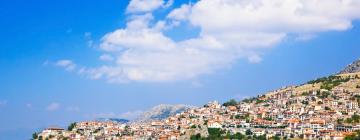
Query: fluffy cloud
x,y
67,64
138,6
254,58
229,30
106,57
181,13
53,106
151,56
271,18
88,38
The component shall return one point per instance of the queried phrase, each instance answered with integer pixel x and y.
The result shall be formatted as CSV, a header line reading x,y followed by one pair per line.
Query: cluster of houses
x,y
291,112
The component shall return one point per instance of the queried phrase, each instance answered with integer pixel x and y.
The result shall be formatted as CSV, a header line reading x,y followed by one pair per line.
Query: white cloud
x,y
139,6
264,23
254,58
181,13
229,30
53,106
164,60
67,64
106,57
144,39
298,16
87,34
89,40
305,37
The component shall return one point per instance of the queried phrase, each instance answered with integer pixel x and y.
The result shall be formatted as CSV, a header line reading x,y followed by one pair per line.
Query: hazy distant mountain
x,y
158,112
113,119
352,68
162,111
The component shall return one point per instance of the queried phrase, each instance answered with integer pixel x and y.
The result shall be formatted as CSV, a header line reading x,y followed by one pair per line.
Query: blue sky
x,y
37,91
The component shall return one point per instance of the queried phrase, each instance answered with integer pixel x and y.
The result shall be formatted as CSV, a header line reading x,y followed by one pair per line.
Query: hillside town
x,y
326,108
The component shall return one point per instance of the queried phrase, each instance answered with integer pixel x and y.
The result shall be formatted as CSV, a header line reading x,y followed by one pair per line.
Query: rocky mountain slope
x,y
162,111
351,68
118,120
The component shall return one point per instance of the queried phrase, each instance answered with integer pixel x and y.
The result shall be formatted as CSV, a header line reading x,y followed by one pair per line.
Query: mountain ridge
x,y
351,68
118,120
162,111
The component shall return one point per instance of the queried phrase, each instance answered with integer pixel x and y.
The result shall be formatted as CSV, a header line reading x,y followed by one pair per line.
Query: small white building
x,y
214,124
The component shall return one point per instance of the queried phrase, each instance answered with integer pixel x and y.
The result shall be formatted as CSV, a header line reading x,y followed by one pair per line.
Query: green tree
x,y
355,118
206,122
275,138
232,102
248,100
248,132
261,137
305,93
355,136
238,136
195,137
305,102
35,135
258,101
268,118
71,126
227,136
348,120
339,121
215,133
